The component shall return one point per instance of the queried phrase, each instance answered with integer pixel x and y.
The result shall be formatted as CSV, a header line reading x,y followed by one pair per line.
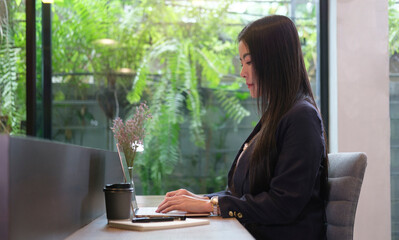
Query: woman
x,y
276,185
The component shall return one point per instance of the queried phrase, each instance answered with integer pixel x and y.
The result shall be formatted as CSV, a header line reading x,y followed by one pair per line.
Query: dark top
x,y
293,207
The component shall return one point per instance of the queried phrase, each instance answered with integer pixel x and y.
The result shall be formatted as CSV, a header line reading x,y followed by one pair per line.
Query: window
x,y
178,56
394,112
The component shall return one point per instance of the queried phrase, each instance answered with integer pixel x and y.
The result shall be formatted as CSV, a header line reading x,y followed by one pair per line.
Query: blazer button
x,y
239,215
235,214
231,213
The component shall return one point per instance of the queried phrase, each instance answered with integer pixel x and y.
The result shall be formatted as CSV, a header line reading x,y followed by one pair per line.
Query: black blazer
x,y
293,207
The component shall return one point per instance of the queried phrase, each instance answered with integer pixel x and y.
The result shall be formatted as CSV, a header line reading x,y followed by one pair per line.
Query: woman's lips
x,y
250,85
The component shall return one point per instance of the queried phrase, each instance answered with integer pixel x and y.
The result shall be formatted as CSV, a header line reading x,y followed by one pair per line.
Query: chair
x,y
345,178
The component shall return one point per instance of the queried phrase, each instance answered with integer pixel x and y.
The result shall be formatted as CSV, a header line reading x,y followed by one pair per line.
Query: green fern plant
x,y
8,76
175,101
173,91
3,17
185,59
8,86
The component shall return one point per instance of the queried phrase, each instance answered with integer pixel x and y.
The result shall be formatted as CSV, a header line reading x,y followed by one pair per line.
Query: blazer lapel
x,y
241,175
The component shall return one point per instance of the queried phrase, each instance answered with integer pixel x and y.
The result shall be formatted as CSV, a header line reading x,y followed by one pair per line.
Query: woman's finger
x,y
168,201
171,194
163,201
171,208
177,193
162,205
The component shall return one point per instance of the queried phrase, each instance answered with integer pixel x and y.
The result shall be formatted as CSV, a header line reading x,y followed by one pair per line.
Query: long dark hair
x,y
276,56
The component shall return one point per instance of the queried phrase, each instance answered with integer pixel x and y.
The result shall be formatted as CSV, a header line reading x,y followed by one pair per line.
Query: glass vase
x,y
134,202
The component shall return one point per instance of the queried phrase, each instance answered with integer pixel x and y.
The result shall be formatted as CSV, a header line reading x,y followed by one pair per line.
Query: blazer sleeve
x,y
220,194
300,146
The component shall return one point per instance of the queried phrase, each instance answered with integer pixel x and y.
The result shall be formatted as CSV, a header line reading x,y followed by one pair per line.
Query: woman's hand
x,y
185,203
185,192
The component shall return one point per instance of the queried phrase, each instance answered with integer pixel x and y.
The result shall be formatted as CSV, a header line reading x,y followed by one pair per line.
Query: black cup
x,y
118,199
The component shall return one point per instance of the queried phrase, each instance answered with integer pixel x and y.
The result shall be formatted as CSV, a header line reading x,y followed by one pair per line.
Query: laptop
x,y
150,212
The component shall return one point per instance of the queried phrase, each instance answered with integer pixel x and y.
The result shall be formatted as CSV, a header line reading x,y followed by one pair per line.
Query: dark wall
x,y
53,188
4,186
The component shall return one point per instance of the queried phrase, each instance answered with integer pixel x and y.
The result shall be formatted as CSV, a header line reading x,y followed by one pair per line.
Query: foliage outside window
x,y
12,78
179,56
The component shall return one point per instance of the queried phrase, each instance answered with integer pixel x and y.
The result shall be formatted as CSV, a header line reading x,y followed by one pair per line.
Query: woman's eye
x,y
247,63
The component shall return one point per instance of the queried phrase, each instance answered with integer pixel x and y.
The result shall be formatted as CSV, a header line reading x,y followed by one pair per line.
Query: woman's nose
x,y
243,73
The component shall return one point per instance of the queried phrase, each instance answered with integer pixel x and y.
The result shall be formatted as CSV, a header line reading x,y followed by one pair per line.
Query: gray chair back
x,y
345,178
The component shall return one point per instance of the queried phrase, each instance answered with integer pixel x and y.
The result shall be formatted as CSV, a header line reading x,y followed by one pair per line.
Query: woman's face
x,y
247,70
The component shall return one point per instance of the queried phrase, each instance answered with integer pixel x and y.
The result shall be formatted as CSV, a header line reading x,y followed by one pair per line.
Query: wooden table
x,y
219,228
